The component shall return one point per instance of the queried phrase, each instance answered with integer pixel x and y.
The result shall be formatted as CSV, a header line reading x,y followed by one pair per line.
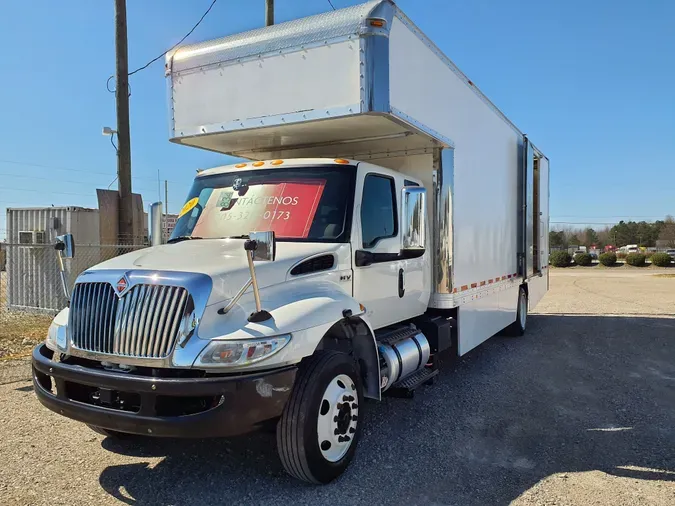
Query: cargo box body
x,y
365,83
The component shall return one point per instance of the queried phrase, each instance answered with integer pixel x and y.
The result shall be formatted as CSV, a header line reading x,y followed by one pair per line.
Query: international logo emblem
x,y
121,286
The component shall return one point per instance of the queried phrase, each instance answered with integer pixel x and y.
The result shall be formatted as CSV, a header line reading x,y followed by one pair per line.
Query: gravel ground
x,y
579,411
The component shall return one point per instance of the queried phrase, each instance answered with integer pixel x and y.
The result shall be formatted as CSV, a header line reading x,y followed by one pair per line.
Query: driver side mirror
x,y
413,219
262,245
66,245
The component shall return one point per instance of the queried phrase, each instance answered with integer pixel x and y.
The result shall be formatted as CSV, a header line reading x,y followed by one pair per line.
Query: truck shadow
x,y
577,393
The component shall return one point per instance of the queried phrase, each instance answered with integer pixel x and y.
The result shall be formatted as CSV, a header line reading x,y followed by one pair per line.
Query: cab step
x,y
398,334
406,387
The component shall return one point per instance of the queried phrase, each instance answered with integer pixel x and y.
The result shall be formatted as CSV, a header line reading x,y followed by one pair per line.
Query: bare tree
x,y
667,233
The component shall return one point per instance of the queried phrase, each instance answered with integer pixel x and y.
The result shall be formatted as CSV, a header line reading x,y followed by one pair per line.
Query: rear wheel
x,y
517,328
320,426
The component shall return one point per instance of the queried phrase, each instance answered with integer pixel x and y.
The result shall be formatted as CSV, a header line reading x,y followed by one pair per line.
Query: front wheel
x,y
320,426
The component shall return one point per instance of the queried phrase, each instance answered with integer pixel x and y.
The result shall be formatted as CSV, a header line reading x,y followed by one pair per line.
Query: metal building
x,y
32,272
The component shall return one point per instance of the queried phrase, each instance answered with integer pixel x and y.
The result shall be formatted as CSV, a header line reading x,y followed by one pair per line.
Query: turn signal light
x,y
377,22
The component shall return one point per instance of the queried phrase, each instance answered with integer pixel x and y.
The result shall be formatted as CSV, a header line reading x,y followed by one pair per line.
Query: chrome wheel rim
x,y
338,417
522,310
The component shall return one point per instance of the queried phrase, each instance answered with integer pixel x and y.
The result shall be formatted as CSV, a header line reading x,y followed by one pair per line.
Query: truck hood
x,y
223,260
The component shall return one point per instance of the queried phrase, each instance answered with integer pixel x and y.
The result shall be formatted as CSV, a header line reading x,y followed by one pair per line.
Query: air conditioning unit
x,y
32,237
39,237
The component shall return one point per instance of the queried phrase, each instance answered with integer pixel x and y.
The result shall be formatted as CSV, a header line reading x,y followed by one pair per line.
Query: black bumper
x,y
172,407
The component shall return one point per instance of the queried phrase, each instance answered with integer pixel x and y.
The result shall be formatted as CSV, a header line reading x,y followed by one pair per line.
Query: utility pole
x,y
269,12
125,201
166,207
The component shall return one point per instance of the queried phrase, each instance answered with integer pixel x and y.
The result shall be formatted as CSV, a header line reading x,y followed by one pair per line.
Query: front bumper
x,y
217,406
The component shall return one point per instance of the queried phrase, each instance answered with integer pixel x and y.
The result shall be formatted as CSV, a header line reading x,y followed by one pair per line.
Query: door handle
x,y
401,289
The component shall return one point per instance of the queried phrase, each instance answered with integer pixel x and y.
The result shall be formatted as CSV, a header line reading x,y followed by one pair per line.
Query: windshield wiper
x,y
181,238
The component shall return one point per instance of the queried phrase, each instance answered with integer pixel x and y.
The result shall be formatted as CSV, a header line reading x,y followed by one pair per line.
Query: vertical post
x,y
165,230
125,208
155,224
269,12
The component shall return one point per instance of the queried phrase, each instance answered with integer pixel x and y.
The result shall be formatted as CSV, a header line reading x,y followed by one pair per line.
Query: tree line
x,y
623,233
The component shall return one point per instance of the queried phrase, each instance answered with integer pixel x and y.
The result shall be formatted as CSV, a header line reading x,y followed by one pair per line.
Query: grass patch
x,y
20,331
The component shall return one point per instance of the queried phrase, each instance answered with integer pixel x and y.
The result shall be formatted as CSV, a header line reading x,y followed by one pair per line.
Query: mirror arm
x,y
365,258
260,314
235,299
254,281
62,273
411,253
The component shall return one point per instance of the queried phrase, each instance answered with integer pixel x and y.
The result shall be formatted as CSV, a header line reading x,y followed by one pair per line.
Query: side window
x,y
378,209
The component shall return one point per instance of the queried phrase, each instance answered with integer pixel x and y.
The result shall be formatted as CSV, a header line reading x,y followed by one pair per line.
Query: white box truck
x,y
386,214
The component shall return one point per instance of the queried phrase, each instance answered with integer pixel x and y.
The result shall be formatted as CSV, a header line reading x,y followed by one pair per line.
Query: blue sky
x,y
592,83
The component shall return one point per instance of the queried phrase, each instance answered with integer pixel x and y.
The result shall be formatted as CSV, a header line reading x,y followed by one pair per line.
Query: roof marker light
x,y
258,164
240,165
341,161
277,162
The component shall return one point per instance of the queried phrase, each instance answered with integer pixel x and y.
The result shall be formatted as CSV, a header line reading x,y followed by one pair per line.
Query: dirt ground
x,y
19,330
579,411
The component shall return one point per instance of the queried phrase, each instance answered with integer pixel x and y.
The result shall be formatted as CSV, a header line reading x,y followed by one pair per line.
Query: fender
x,y
294,305
354,335
309,309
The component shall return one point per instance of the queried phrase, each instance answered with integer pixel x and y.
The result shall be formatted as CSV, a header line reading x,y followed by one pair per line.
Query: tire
x,y
109,433
325,403
517,328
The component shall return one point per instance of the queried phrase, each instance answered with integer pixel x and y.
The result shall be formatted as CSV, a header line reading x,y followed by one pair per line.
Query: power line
x,y
67,169
51,192
583,223
177,43
331,4
590,222
92,195
3,202
51,179
629,217
29,164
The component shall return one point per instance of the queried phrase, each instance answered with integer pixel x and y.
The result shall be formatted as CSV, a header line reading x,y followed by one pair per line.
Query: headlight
x,y
237,353
56,337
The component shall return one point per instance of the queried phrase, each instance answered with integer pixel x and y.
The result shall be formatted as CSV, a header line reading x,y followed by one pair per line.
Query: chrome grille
x,y
144,323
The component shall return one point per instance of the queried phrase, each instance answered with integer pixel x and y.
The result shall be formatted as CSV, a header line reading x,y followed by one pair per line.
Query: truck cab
x,y
376,222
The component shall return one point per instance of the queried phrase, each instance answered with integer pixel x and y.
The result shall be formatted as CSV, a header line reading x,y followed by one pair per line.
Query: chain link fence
x,y
32,278
31,292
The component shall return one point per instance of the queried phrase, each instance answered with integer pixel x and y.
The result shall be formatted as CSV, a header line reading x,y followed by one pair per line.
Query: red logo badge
x,y
121,285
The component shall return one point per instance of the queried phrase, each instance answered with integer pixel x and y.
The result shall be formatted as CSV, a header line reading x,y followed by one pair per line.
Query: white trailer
x,y
405,214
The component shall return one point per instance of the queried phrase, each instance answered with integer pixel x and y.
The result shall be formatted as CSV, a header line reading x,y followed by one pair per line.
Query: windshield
x,y
309,204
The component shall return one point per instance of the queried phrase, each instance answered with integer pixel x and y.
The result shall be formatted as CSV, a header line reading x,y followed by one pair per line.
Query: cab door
x,y
393,287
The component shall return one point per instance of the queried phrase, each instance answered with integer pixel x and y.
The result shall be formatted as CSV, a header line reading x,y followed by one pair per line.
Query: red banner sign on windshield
x,y
287,208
